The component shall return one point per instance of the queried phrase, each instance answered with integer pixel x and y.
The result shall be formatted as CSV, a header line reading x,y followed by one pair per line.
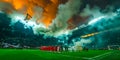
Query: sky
x,y
70,21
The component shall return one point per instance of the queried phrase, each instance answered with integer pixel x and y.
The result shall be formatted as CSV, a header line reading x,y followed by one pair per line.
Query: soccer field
x,y
25,54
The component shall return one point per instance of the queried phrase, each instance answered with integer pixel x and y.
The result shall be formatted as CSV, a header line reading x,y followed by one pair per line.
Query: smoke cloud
x,y
72,18
65,12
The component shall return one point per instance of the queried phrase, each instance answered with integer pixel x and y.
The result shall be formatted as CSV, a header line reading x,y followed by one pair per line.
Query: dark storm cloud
x,y
103,8
18,29
105,26
17,34
4,24
73,10
102,4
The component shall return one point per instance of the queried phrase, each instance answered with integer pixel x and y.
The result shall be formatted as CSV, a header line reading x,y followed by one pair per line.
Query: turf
x,y
26,54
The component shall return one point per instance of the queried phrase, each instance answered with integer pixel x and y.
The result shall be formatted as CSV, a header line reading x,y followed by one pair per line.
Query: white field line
x,y
93,58
101,56
69,56
75,57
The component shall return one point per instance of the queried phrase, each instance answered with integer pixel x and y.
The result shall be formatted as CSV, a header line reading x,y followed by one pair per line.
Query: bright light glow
x,y
21,19
39,26
30,23
1,12
96,20
18,18
118,10
63,32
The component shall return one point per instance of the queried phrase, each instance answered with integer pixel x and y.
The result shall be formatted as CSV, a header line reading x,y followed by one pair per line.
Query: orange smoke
x,y
18,4
50,8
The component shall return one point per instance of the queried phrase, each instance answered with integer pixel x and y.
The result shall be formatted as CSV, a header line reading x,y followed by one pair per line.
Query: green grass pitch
x,y
27,54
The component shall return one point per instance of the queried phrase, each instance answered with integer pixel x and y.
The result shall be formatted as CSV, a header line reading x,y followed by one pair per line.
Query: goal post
x,y
113,47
